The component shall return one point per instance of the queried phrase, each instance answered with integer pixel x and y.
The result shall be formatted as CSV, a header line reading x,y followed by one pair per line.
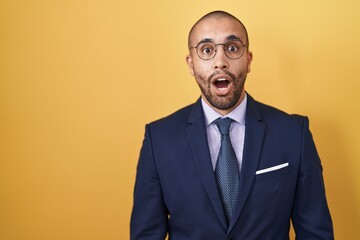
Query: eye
x,y
206,49
232,48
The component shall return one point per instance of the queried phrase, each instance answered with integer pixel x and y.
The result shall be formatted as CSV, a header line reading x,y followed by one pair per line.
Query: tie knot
x,y
224,125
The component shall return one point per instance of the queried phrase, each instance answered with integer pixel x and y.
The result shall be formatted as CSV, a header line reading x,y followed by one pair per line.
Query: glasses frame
x,y
216,49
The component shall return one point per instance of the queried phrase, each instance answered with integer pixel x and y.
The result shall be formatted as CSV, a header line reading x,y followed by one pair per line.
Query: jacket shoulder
x,y
174,120
272,113
275,118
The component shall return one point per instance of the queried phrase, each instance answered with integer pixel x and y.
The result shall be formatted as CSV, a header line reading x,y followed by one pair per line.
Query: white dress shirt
x,y
237,130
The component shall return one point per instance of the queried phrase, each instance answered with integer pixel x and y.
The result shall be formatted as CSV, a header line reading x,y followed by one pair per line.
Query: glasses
x,y
233,49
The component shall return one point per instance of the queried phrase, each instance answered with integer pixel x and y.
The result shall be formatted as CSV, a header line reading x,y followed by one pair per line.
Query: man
x,y
228,167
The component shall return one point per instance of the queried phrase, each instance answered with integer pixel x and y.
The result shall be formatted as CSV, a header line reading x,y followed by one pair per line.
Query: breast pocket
x,y
272,172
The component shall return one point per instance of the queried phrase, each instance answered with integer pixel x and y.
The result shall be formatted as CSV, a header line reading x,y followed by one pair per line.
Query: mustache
x,y
226,72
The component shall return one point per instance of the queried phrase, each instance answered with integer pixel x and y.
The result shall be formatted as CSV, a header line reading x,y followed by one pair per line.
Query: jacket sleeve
x,y
149,215
311,217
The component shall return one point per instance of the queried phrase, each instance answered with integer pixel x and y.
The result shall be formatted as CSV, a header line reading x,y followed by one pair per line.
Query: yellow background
x,y
80,79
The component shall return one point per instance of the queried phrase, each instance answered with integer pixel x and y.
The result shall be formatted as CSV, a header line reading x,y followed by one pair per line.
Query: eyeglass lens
x,y
233,49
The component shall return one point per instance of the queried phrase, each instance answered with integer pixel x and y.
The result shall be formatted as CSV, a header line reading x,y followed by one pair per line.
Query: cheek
x,y
240,69
201,67
199,79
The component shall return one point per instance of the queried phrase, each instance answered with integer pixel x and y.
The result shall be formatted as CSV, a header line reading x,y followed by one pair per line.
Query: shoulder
x,y
273,116
175,120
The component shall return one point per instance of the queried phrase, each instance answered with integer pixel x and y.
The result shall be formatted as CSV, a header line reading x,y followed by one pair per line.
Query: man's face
x,y
220,79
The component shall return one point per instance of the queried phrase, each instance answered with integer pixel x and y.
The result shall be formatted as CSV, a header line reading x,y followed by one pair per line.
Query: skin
x,y
219,30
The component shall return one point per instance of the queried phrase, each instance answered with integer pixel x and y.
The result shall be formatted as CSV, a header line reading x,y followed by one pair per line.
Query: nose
x,y
220,59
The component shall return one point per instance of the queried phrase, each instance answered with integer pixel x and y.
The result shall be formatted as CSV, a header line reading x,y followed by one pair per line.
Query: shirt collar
x,y
238,114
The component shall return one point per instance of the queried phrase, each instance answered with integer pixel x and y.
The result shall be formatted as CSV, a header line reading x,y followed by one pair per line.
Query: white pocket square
x,y
274,168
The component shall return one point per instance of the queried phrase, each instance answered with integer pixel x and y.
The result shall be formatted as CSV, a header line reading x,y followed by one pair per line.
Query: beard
x,y
221,102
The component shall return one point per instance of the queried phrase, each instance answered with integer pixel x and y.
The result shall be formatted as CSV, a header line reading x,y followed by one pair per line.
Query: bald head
x,y
216,15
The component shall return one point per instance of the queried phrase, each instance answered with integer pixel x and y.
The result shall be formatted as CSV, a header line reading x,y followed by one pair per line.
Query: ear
x,y
249,60
190,64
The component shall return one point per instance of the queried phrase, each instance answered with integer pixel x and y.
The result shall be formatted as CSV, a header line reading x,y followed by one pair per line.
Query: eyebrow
x,y
230,37
233,37
206,40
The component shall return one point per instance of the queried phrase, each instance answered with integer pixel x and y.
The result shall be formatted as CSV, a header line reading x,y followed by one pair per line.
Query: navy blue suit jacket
x,y
176,193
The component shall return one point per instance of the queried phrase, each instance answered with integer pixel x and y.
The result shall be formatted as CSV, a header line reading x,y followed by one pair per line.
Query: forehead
x,y
217,29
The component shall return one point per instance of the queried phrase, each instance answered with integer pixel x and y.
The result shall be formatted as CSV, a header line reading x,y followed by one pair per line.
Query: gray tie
x,y
227,169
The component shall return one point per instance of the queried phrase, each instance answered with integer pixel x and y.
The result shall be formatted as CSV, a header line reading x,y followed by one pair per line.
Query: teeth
x,y
221,86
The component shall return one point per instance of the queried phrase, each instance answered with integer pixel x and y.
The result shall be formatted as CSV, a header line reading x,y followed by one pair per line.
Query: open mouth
x,y
221,83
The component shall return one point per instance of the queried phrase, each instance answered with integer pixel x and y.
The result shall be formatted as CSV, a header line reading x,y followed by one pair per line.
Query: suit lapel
x,y
196,132
254,134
